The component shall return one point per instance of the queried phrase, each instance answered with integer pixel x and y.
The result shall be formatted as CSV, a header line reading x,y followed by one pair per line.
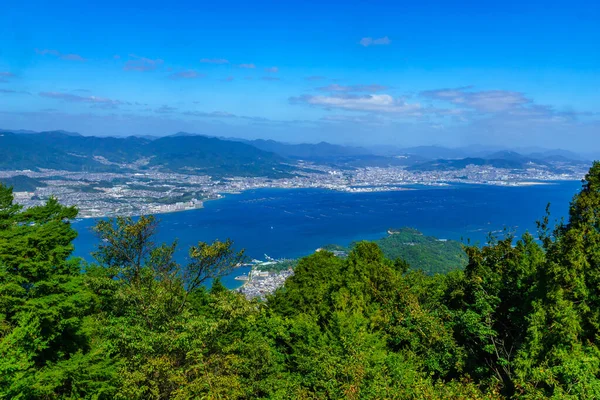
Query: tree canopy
x,y
521,320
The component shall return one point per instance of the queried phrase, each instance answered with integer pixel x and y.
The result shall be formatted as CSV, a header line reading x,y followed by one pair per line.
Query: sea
x,y
291,223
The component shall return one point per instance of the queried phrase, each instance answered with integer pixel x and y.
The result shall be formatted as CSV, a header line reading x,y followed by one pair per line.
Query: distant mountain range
x,y
22,183
333,154
439,152
502,159
181,153
186,152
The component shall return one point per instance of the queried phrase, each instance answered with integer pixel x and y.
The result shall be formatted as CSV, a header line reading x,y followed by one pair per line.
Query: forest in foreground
x,y
521,320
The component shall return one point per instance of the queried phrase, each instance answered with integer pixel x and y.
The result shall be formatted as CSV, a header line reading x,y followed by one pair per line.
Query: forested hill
x,y
441,165
22,183
427,253
190,153
520,321
178,153
333,154
421,252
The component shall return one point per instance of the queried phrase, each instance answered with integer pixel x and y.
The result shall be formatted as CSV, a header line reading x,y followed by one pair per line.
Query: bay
x,y
291,223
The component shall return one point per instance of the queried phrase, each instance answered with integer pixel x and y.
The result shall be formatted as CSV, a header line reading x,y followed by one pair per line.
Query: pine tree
x,y
45,347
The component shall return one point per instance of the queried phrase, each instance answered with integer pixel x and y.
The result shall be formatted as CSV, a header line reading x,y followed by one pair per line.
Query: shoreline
x,y
297,235
419,186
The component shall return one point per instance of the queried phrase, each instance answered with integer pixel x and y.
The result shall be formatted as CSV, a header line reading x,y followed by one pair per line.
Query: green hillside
x,y
422,252
177,153
22,183
440,165
426,253
30,151
213,156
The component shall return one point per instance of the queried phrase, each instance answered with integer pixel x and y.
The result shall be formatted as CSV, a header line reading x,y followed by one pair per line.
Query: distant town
x,y
152,191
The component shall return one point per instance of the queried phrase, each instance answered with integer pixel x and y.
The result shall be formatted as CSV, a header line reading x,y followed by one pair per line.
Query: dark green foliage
x,y
439,165
45,346
178,153
331,154
520,320
212,156
22,183
18,151
423,252
561,356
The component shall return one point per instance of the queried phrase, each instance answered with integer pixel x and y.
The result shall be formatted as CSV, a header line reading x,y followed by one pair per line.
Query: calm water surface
x,y
294,222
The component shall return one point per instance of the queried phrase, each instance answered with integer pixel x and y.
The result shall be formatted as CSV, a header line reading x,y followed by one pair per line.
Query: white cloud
x,y
482,101
371,103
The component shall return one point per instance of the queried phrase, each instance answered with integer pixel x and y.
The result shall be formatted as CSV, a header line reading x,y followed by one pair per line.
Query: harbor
x,y
265,277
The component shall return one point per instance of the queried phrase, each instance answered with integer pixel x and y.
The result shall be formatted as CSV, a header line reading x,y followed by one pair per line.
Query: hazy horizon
x,y
474,147
507,75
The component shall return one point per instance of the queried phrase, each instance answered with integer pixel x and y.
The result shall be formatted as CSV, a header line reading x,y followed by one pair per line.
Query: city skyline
x,y
386,73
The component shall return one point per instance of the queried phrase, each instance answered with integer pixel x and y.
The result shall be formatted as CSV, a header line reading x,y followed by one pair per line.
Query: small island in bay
x,y
420,252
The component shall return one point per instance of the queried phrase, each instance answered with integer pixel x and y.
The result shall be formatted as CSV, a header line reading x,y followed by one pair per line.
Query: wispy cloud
x,y
369,41
370,103
164,109
214,61
212,114
62,56
72,57
222,115
117,57
502,109
251,66
94,101
483,101
10,91
228,79
142,64
4,75
352,88
315,78
189,74
272,70
270,78
354,119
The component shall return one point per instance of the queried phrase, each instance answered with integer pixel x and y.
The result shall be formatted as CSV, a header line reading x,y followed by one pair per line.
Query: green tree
x,y
154,308
560,357
491,304
45,347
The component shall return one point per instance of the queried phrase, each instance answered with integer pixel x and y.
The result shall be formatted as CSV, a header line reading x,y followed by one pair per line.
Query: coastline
x,y
405,187
305,220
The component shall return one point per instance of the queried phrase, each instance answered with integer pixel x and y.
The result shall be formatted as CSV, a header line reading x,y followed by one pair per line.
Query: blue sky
x,y
381,72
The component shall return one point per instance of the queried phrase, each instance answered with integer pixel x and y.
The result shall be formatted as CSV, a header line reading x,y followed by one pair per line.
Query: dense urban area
x,y
99,194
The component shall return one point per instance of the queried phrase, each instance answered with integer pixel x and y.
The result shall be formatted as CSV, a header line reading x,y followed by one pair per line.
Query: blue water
x,y
294,222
